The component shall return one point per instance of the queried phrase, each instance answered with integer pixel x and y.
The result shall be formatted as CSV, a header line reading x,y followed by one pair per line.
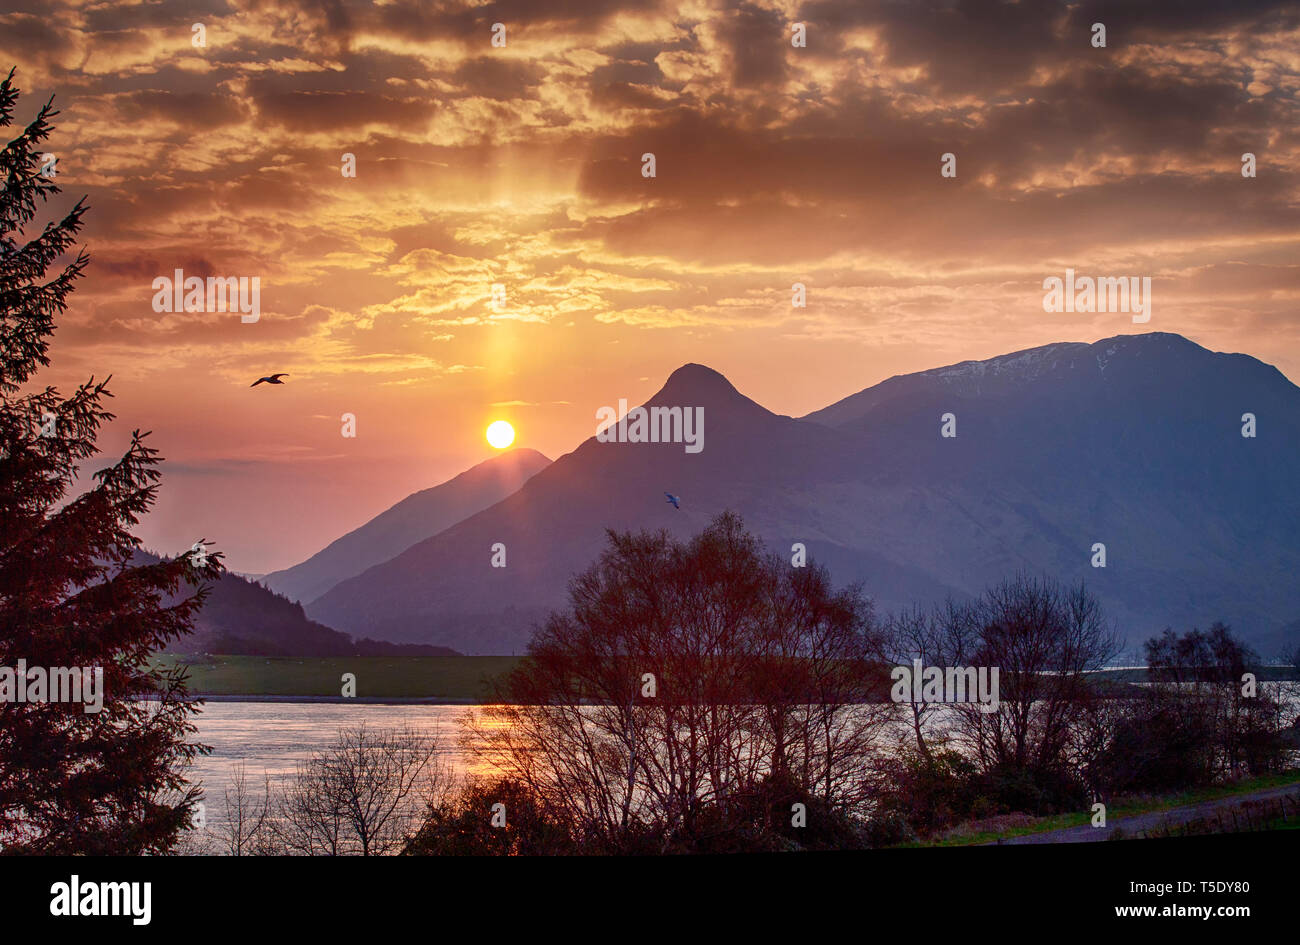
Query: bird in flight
x,y
273,379
673,499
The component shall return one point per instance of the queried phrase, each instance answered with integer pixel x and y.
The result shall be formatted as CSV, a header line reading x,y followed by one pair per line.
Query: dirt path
x,y
1136,825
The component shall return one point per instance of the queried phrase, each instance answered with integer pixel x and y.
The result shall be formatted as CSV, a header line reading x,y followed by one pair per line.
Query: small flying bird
x,y
273,379
673,499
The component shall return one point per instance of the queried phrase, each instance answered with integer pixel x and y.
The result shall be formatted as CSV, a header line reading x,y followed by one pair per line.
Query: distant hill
x,y
240,617
1133,441
1284,643
417,517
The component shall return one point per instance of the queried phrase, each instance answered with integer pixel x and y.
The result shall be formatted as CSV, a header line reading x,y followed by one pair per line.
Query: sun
x,y
500,434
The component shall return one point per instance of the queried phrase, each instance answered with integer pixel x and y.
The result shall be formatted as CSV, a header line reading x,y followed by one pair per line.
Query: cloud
x,y
521,166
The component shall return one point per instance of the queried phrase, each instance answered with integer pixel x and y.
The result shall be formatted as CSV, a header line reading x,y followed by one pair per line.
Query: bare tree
x,y
937,637
244,831
813,684
1044,638
682,678
364,795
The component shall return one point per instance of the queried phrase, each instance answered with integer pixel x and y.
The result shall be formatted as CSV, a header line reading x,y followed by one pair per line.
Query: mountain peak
x,y
1150,337
1028,362
1014,371
695,385
519,456
698,377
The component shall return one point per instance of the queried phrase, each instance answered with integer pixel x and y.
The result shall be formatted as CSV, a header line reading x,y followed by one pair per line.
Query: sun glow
x,y
500,434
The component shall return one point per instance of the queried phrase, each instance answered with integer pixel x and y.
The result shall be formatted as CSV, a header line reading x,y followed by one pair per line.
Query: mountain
x,y
241,617
1134,442
445,588
415,518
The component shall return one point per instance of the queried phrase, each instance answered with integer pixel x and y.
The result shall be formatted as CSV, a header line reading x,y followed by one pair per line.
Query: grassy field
x,y
453,678
1123,808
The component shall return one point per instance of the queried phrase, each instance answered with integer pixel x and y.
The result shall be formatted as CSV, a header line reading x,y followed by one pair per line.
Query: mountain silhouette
x,y
242,617
420,515
1133,442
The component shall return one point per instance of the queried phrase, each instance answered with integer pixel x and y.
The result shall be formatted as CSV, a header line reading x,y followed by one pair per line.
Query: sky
x,y
521,165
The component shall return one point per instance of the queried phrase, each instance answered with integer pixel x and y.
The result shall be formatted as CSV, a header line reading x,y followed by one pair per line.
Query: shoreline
x,y
354,700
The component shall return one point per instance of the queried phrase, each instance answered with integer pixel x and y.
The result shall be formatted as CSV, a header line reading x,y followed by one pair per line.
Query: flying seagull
x,y
273,379
673,499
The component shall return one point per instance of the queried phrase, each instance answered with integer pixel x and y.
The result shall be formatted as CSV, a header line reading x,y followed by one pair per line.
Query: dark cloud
x,y
494,77
175,14
970,46
626,71
34,34
702,159
758,39
210,109
617,95
318,110
295,188
1156,19
462,22
145,268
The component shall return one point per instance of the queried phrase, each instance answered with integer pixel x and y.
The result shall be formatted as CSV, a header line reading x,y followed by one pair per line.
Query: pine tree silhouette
x,y
72,781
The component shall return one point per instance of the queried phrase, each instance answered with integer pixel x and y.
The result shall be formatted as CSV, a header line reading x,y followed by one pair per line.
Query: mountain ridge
x,y
1140,451
244,617
414,518
970,372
